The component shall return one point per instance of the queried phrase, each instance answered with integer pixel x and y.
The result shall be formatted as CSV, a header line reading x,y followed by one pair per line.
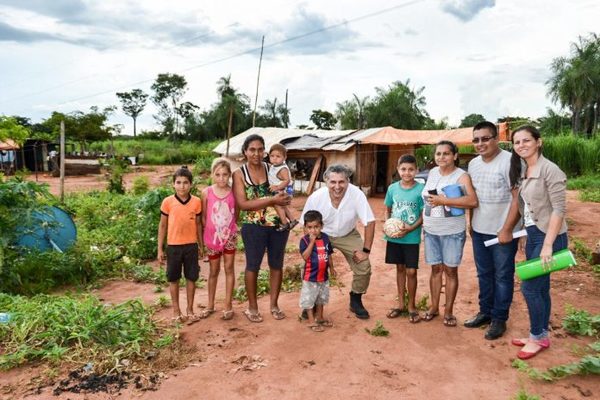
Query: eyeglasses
x,y
483,139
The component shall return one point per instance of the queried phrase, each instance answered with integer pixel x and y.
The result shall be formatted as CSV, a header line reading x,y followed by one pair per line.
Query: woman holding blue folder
x,y
541,202
447,193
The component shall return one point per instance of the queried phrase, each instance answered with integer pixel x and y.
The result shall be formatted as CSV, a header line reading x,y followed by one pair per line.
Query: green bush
x,y
141,184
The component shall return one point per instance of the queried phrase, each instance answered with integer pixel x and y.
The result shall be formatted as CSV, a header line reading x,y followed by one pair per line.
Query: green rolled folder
x,y
533,268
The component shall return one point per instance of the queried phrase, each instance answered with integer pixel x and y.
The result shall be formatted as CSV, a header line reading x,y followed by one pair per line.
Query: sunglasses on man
x,y
483,139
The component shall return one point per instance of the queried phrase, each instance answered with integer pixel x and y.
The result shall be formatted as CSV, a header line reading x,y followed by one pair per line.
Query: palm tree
x,y
230,101
575,83
360,105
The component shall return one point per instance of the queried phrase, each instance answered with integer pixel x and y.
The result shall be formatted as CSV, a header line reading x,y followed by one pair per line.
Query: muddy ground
x,y
286,360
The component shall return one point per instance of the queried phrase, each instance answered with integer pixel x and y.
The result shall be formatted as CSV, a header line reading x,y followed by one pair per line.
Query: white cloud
x,y
68,55
466,10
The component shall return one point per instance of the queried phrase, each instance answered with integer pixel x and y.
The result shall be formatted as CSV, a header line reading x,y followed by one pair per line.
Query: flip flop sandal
x,y
325,323
316,328
414,317
394,313
429,316
277,313
192,318
253,317
206,312
178,320
227,315
450,321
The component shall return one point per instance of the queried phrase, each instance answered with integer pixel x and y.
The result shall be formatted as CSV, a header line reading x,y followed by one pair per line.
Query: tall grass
x,y
158,152
574,155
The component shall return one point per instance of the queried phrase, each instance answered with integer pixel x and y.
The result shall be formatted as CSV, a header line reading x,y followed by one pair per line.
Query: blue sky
x,y
472,56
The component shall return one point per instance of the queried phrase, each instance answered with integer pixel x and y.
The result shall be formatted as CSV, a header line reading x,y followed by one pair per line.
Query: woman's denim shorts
x,y
444,249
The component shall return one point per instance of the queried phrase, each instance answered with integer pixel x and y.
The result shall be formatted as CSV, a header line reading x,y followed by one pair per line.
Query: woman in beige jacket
x,y
541,202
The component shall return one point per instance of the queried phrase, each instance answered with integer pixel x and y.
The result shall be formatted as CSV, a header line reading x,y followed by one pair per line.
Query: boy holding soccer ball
x,y
404,203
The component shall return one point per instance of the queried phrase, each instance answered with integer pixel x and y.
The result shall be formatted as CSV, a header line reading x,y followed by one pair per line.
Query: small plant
x,y
116,169
379,330
291,248
292,278
581,250
581,322
523,395
141,184
591,195
162,301
262,286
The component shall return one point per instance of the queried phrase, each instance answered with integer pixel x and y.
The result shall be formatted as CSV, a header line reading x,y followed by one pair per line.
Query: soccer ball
x,y
393,226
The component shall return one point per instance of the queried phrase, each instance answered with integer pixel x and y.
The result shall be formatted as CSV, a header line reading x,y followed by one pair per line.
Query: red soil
x,y
425,360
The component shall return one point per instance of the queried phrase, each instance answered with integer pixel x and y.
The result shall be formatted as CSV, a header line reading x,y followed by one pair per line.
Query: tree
x,y
351,113
398,106
133,104
575,83
11,129
232,102
323,119
82,127
168,89
553,123
471,120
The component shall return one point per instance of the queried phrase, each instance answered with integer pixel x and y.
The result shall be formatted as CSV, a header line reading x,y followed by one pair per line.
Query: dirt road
x,y
417,361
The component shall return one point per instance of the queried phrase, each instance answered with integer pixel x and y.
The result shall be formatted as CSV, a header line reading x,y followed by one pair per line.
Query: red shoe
x,y
522,342
544,344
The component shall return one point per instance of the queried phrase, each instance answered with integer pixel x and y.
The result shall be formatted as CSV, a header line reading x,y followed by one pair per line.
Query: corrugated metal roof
x,y
347,141
272,136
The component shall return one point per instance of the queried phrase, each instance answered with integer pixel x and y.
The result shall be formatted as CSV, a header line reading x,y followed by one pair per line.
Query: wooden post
x,y
229,129
62,161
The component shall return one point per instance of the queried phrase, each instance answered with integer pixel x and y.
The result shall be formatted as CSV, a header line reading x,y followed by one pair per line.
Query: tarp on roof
x,y
393,136
274,135
8,144
307,142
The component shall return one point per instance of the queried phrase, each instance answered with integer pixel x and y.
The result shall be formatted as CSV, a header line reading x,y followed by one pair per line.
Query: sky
x,y
490,57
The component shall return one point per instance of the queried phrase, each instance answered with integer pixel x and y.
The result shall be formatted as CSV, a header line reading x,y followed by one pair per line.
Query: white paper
x,y
516,234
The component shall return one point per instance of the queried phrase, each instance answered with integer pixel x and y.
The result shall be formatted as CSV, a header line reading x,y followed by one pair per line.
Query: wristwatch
x,y
365,250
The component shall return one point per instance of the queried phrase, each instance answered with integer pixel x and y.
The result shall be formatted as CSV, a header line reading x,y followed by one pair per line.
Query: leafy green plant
x,y
580,249
581,322
591,195
116,169
162,302
523,395
262,286
379,330
141,184
292,278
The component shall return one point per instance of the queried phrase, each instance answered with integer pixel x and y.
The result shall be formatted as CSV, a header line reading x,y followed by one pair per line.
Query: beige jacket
x,y
545,192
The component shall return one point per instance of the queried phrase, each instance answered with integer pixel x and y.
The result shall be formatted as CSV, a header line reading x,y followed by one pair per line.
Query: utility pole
x,y
62,161
262,46
287,114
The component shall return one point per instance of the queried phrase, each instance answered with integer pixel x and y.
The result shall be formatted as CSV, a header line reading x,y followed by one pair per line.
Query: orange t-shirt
x,y
181,228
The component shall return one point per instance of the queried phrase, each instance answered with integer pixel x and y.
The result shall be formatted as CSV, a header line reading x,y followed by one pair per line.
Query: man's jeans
x,y
495,271
537,290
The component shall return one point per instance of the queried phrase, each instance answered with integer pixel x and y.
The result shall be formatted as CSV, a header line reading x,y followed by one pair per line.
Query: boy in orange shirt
x,y
180,222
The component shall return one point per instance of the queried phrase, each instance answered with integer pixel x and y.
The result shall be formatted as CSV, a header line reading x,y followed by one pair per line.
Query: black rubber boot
x,y
357,307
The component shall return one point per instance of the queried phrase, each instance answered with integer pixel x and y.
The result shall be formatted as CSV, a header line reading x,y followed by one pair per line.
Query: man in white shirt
x,y
342,204
495,264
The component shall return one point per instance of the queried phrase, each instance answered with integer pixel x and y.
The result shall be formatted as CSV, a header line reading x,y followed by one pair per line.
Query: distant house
x,y
371,153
